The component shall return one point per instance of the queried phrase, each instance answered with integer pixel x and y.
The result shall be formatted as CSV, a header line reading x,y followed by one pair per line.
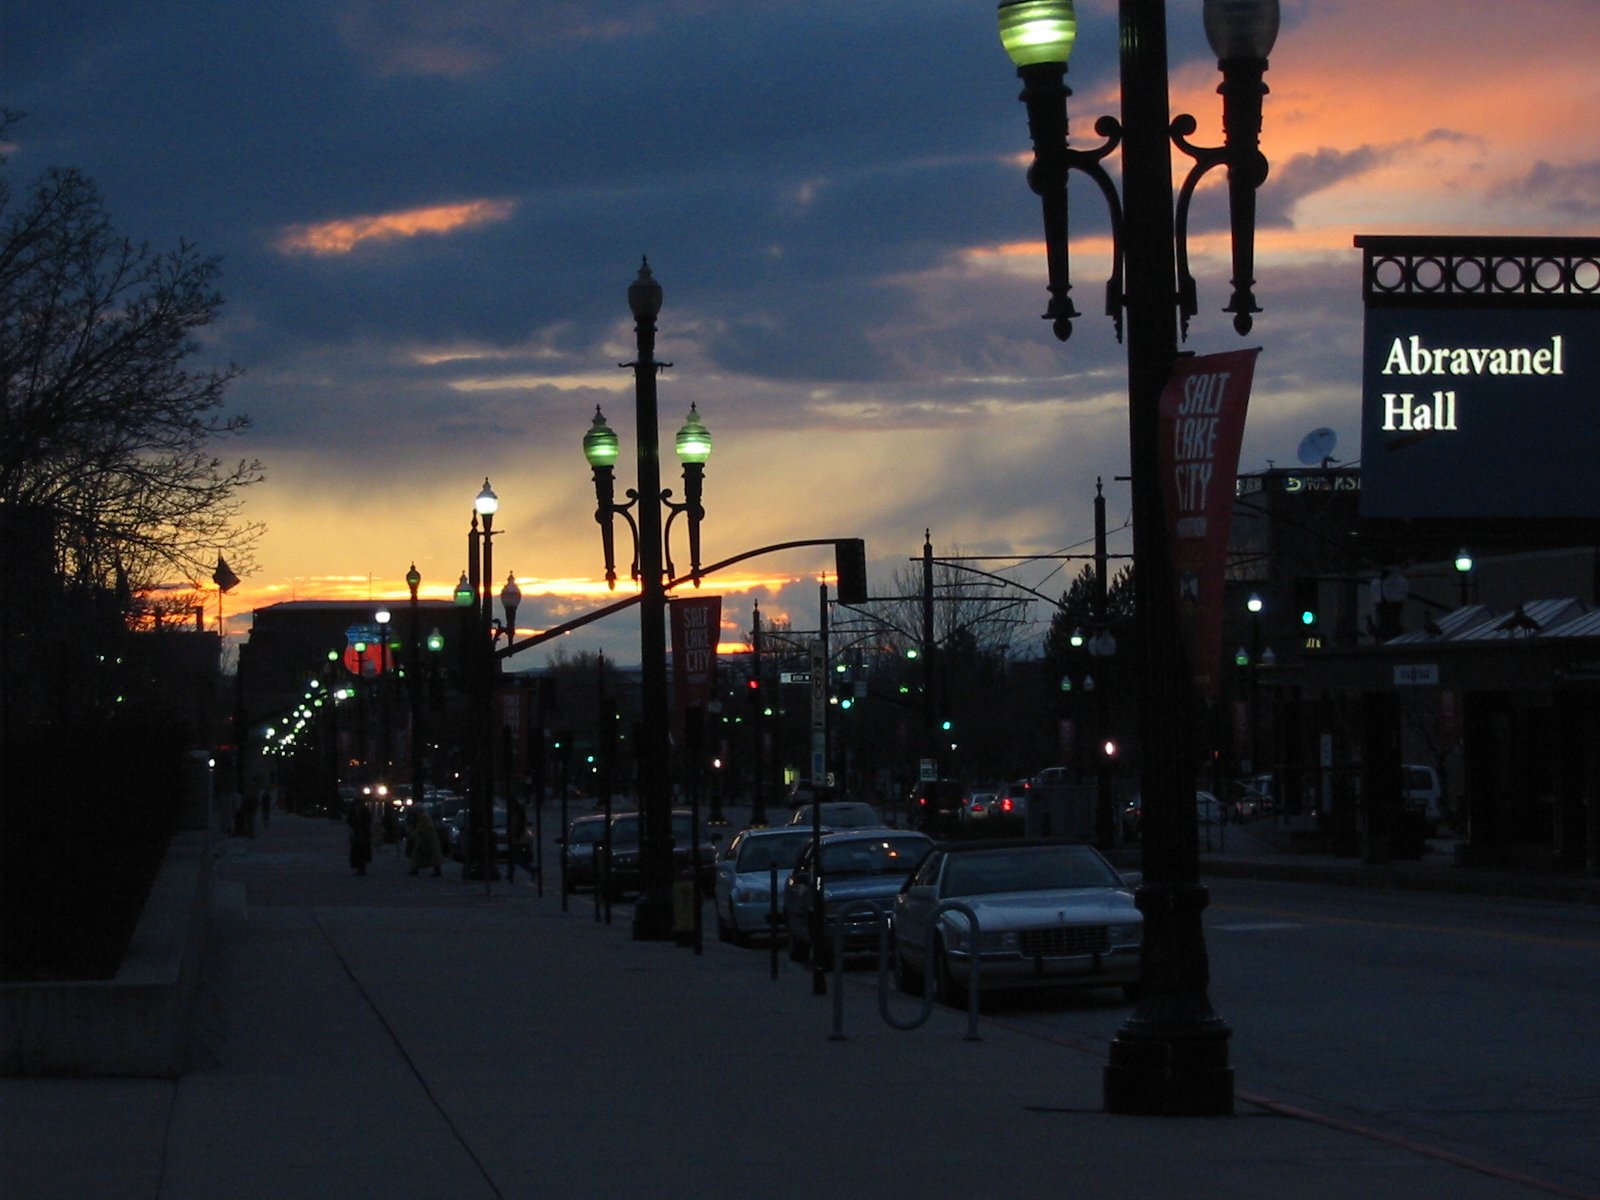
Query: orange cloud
x,y
344,234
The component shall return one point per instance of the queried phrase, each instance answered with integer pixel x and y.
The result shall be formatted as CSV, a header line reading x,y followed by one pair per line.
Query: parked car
x,y
625,850
743,889
580,849
1207,808
1049,912
934,805
458,828
840,814
859,868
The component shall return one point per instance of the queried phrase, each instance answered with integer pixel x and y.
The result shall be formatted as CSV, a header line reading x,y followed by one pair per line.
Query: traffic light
x,y
850,567
1308,606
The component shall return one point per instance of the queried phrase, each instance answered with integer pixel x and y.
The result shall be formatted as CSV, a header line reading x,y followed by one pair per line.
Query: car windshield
x,y
778,850
873,856
587,831
849,816
625,830
1026,869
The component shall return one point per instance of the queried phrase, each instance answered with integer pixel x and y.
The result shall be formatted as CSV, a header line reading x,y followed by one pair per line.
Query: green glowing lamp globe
x,y
694,439
600,444
464,594
1037,31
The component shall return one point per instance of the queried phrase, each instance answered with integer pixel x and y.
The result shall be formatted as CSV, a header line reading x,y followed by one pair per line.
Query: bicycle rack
x,y
884,982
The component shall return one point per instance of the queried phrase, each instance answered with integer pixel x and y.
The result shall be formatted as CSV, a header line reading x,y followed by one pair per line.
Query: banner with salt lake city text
x,y
1202,424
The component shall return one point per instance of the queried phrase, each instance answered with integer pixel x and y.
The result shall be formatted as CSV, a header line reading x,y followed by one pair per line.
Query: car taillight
x,y
1005,805
922,800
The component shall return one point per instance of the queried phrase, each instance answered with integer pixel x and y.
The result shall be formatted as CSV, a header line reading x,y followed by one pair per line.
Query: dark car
x,y
580,849
935,806
625,851
862,870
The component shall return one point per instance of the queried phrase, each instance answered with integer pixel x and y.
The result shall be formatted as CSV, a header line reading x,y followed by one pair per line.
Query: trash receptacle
x,y
683,905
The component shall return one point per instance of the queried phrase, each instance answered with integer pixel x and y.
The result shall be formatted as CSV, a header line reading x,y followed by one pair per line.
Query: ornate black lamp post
x,y
477,598
651,565
386,754
1171,1056
414,685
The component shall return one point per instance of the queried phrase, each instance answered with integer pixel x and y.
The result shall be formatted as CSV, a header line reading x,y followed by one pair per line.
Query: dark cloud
x,y
1571,191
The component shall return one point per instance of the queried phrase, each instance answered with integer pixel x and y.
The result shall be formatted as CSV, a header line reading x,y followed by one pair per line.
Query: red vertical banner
x,y
1202,423
696,624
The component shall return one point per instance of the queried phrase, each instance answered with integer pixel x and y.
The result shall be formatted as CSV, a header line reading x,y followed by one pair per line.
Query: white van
x,y
1420,784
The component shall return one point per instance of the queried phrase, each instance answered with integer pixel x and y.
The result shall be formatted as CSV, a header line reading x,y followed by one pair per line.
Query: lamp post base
x,y
1169,1077
652,917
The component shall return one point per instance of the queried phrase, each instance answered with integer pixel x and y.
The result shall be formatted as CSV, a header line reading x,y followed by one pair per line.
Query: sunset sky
x,y
428,213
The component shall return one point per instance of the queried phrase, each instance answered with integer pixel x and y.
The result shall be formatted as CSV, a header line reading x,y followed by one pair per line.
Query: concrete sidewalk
x,y
394,1036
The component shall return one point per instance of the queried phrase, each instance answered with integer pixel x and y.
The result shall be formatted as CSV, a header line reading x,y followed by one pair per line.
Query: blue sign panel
x,y
1481,412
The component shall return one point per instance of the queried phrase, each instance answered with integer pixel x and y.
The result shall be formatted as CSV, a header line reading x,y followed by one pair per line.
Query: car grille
x,y
1063,940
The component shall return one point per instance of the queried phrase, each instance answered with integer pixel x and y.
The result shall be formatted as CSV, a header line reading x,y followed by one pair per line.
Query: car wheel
x,y
949,990
905,979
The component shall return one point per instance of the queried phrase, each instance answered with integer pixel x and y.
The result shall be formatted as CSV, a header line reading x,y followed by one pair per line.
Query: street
x,y
1456,1025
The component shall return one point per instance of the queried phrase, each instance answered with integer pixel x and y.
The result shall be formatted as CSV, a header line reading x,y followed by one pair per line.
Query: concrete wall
x,y
137,1023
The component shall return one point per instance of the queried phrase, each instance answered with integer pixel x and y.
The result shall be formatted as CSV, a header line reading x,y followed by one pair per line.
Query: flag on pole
x,y
223,576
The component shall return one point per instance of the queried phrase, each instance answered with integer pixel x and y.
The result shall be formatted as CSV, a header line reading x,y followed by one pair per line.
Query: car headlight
x,y
958,937
1125,935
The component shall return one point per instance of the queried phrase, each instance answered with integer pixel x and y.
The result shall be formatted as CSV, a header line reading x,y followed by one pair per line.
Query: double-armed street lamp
x,y
474,596
1171,1055
652,564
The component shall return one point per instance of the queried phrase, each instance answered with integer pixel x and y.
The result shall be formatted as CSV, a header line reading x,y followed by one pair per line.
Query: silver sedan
x,y
1049,913
743,889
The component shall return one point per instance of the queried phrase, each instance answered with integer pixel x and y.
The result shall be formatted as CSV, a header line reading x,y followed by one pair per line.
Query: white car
x,y
839,814
743,891
1050,913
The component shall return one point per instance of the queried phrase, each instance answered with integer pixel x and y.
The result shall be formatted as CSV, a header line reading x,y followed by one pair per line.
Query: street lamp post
x,y
1253,606
1171,1055
385,755
1463,566
651,563
414,685
500,739
477,598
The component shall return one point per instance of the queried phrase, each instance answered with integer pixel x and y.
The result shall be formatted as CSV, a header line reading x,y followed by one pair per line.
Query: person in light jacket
x,y
424,842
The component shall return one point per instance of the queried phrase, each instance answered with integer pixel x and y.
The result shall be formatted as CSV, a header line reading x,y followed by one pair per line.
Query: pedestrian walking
x,y
359,818
423,843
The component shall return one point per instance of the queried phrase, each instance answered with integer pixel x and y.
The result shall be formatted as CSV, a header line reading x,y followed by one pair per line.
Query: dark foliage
x,y
88,813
